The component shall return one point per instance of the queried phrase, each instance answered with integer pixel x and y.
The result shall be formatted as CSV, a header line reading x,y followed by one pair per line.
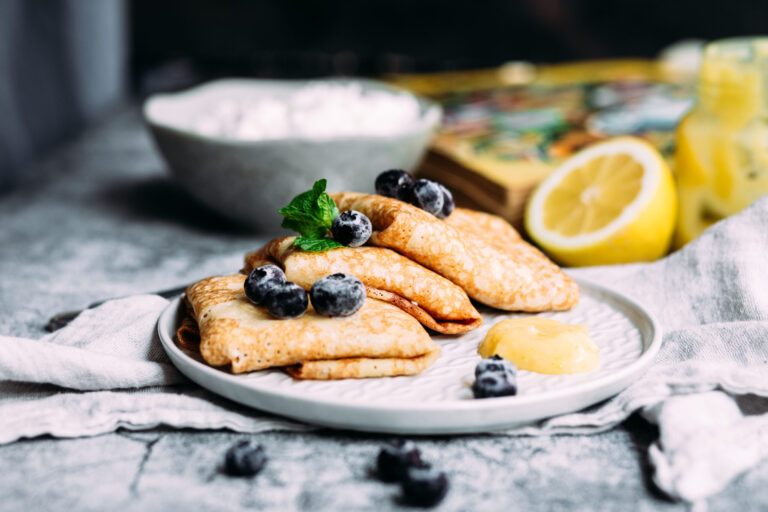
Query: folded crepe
x,y
388,276
479,252
378,340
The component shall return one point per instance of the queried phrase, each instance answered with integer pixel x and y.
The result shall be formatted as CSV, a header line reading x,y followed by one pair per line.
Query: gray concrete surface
x,y
104,221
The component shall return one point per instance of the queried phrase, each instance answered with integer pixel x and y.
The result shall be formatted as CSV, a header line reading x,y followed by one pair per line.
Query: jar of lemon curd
x,y
722,144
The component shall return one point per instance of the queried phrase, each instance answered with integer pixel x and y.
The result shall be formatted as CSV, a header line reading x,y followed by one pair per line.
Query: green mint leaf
x,y
306,201
307,229
328,209
316,244
310,213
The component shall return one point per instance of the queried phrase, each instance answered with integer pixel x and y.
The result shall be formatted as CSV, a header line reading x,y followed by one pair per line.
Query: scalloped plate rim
x,y
564,401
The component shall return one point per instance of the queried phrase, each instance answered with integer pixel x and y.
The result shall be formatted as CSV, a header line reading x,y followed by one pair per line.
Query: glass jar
x,y
721,159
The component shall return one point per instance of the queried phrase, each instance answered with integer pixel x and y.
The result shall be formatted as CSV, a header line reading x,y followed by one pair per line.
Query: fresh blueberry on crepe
x,y
424,487
337,295
351,228
448,203
495,384
396,458
287,300
246,458
394,183
495,364
261,280
428,196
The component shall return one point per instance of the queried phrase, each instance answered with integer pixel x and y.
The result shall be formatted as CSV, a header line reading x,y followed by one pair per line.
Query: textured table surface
x,y
98,219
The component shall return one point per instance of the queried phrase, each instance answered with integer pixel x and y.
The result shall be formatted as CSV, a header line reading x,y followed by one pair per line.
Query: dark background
x,y
64,64
315,38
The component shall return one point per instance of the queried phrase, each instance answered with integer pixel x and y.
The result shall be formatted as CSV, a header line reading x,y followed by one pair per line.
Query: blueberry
x,y
396,458
246,458
261,280
448,203
337,295
495,364
287,300
394,183
424,487
427,195
351,228
492,384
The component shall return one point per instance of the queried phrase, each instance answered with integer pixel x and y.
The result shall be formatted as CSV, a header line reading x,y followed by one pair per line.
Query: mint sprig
x,y
316,244
311,214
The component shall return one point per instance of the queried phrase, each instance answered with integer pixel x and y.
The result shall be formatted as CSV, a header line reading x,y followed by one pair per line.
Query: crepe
x,y
379,340
188,334
479,252
388,276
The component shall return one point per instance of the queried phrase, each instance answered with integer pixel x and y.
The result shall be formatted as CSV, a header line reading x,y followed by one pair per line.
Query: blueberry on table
x,y
245,458
428,196
494,384
424,487
261,280
337,295
496,364
448,203
394,183
287,300
351,228
396,458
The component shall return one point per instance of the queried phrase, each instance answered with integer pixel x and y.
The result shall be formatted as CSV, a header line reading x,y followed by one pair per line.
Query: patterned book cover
x,y
505,130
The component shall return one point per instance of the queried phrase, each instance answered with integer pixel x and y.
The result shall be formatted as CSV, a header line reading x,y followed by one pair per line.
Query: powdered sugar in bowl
x,y
246,147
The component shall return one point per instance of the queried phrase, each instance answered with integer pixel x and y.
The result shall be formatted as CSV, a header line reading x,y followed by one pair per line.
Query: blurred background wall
x,y
303,38
65,62
62,63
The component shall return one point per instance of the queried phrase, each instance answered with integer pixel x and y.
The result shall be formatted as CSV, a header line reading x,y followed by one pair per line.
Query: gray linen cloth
x,y
107,370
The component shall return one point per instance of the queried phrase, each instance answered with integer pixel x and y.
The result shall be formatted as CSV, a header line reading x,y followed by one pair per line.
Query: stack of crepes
x,y
419,272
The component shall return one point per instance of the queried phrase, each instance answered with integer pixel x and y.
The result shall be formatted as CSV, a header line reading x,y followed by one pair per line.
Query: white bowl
x,y
250,180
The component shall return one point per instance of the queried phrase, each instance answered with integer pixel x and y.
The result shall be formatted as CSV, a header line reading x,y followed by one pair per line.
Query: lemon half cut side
x,y
613,202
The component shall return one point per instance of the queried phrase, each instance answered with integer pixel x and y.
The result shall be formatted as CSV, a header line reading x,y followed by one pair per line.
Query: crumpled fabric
x,y
107,370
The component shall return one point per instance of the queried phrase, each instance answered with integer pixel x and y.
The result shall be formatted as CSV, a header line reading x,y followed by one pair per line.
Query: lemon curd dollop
x,y
542,345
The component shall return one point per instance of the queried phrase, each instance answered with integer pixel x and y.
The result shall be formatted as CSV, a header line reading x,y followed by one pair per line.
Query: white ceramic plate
x,y
439,400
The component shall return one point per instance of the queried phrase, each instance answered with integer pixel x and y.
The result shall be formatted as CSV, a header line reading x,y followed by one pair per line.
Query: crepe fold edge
x,y
420,314
188,333
277,251
188,337
370,367
477,251
384,341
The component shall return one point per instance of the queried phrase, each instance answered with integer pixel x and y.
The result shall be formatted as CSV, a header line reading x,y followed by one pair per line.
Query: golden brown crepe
x,y
388,276
379,340
187,334
477,251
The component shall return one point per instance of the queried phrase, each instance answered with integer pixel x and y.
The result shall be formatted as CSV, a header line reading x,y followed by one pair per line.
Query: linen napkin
x,y
104,371
704,442
107,370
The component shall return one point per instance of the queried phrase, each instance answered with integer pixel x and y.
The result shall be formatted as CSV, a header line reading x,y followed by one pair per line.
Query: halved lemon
x,y
613,202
